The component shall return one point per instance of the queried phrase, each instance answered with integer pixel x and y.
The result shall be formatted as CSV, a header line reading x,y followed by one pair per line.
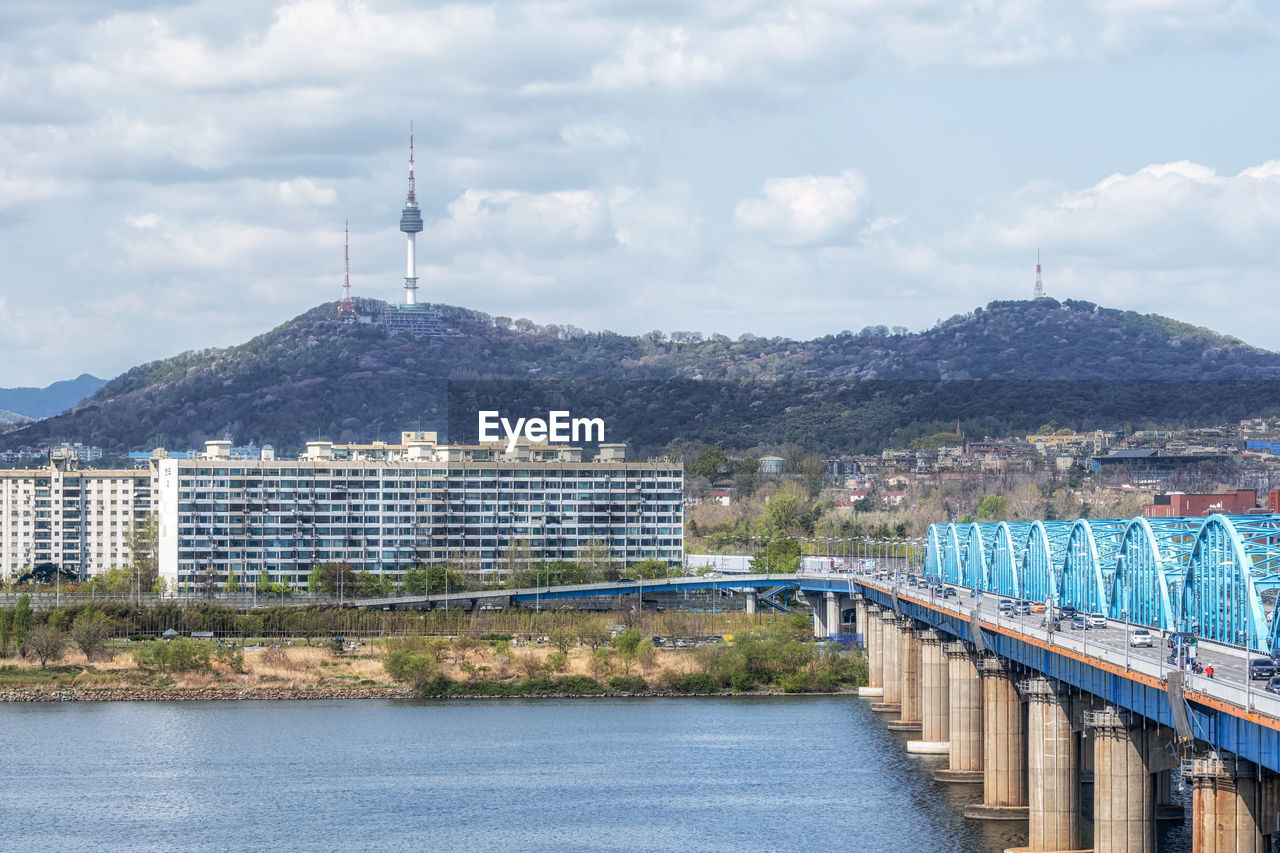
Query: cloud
x,y
1165,214
807,210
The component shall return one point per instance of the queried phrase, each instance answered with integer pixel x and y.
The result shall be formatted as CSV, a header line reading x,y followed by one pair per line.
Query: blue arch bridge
x,y
968,654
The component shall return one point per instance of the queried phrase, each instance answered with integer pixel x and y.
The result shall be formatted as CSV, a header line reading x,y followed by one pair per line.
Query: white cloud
x,y
807,210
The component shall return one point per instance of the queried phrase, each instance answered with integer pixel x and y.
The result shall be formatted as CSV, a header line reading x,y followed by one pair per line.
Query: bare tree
x,y
45,644
90,633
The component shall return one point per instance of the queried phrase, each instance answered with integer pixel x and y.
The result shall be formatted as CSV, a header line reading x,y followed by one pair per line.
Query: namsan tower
x,y
411,316
411,224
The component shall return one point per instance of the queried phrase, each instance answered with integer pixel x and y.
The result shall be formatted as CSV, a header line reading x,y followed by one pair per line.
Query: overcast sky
x,y
176,176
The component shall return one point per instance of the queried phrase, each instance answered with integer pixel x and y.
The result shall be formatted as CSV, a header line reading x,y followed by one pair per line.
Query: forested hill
x,y
1072,364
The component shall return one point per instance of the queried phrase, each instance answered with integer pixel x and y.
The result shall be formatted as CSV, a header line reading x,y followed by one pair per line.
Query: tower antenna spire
x,y
346,308
1039,292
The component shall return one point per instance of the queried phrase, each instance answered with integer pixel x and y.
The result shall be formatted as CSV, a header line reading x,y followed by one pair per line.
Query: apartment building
x,y
384,508
76,519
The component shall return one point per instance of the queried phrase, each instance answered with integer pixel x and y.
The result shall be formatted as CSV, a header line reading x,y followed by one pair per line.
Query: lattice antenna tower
x,y
1039,292
346,308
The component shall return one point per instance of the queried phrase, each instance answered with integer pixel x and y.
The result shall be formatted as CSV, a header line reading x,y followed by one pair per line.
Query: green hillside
x,y
1005,368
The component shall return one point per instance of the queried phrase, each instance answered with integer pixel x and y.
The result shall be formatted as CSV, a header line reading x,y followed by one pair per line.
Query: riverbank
x,y
223,694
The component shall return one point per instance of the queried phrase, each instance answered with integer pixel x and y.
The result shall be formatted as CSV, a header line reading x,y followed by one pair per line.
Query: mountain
x,y
50,400
1005,368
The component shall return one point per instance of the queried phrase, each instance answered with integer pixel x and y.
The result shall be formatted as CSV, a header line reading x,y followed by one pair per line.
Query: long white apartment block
x,y
384,508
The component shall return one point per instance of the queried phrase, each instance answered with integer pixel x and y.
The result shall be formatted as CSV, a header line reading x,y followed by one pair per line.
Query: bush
x,y
698,682
740,682
579,685
538,684
628,684
233,658
179,655
557,662
796,682
418,669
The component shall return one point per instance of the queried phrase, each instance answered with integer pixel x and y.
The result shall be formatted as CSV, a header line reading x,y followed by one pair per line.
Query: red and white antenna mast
x,y
1039,283
346,308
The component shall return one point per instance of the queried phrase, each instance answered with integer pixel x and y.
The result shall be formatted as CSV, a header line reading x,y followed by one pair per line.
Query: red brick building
x,y
1182,505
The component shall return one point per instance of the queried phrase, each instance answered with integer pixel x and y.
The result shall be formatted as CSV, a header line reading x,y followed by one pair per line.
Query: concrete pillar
x,y
751,603
935,702
1054,795
909,666
1230,806
964,715
833,613
872,632
819,616
1125,756
1004,741
891,669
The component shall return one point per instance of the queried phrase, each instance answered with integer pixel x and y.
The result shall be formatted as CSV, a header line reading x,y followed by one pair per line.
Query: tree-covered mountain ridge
x,y
317,377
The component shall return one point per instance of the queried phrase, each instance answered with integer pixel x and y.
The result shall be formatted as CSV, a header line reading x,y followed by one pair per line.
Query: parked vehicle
x,y
1097,620
1141,638
1079,622
1262,668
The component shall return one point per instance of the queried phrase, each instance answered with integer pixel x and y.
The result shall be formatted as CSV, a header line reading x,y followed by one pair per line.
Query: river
x,y
716,774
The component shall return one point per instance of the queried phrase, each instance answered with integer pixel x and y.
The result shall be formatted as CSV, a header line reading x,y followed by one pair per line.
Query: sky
x,y
175,176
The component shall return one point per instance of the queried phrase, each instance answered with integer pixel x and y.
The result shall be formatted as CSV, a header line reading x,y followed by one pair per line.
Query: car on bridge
x,y
1006,605
1067,611
1022,607
950,592
1141,638
1079,622
1273,685
1037,607
1262,668
1097,620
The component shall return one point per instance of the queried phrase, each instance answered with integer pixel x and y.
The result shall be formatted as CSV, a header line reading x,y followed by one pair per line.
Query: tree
x,y
596,561
6,631
142,540
710,464
332,578
90,632
415,581
992,508
45,644
233,582
647,570
22,623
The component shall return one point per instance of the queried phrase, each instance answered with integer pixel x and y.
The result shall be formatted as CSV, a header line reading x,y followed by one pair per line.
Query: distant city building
x,y
1183,505
772,464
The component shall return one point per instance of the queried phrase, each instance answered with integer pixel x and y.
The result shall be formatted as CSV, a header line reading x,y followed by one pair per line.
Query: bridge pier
x,y
964,716
872,638
1004,740
1054,801
1126,755
934,698
890,665
1233,803
751,603
819,616
832,622
909,669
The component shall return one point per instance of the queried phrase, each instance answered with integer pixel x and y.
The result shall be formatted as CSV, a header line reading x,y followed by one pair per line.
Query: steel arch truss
x,y
1041,571
933,550
1232,580
1089,564
1149,567
1008,555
